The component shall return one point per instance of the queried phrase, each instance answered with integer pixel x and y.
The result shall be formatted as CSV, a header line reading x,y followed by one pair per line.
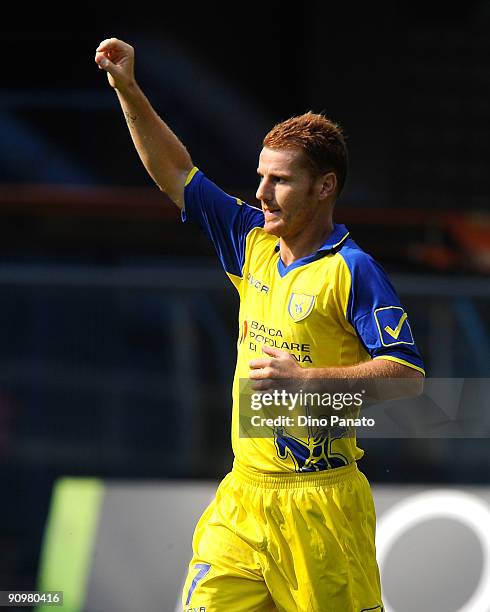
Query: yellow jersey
x,y
335,307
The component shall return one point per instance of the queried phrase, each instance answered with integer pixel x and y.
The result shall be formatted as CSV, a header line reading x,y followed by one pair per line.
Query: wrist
x,y
128,89
315,379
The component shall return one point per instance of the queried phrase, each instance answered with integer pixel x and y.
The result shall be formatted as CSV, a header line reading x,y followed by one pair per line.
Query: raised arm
x,y
163,155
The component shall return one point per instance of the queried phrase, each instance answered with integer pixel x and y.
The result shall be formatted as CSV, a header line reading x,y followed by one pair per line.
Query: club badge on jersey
x,y
300,305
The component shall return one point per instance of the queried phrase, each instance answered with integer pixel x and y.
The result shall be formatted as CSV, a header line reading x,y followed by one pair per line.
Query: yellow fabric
x,y
304,313
190,176
288,542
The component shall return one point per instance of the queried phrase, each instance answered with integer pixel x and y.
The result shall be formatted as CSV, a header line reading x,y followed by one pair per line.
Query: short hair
x,y
322,141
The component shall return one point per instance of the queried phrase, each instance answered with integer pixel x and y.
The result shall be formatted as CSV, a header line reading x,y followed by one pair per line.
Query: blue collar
x,y
336,238
339,234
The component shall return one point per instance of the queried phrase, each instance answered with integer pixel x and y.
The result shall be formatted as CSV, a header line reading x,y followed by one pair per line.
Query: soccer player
x,y
292,525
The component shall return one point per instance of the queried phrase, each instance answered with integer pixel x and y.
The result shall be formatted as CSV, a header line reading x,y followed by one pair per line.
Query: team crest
x,y
300,305
393,326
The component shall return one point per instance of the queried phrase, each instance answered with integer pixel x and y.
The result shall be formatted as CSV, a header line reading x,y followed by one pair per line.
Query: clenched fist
x,y
117,58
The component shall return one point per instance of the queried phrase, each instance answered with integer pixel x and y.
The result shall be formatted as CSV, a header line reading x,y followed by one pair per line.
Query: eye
x,y
273,179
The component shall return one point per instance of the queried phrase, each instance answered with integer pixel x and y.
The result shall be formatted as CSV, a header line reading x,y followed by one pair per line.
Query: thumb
x,y
106,64
113,71
272,352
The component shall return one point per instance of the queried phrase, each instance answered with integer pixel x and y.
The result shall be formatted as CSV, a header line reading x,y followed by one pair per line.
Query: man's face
x,y
288,193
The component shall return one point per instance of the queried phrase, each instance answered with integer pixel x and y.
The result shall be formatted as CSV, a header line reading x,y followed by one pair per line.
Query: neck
x,y
304,243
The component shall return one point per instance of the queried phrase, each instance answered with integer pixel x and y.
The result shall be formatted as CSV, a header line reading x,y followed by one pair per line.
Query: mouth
x,y
271,213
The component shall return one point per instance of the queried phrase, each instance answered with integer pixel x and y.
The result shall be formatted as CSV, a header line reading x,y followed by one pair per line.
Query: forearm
x,y
399,380
163,155
375,368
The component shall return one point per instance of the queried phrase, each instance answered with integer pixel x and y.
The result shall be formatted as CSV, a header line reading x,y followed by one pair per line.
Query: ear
x,y
329,185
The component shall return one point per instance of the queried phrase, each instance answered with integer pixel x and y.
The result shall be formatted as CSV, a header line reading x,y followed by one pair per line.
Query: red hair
x,y
321,140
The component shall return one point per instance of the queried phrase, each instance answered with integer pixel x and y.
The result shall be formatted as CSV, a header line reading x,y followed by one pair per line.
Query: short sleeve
x,y
226,220
375,312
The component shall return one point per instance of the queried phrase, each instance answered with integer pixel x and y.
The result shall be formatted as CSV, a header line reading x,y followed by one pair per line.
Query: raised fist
x,y
117,58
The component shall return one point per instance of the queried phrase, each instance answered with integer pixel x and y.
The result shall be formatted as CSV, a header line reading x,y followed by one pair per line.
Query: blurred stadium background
x,y
118,328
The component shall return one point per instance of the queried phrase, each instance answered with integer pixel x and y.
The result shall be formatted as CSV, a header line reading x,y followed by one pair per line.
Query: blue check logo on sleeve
x,y
393,326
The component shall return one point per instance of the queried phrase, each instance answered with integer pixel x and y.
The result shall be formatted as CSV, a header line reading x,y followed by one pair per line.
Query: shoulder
x,y
354,256
356,259
199,187
215,209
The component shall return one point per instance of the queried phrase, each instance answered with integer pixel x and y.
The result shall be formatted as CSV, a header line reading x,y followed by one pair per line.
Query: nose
x,y
263,191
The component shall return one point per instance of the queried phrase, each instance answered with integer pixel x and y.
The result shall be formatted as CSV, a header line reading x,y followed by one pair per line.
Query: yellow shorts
x,y
286,542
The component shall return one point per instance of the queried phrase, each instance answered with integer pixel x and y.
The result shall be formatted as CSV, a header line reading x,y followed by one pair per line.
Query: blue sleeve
x,y
226,220
375,311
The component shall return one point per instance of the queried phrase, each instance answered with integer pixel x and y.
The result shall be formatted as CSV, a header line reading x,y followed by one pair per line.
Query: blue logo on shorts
x,y
312,454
